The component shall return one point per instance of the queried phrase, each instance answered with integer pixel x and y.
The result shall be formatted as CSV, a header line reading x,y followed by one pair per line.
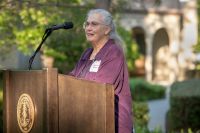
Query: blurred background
x,y
162,52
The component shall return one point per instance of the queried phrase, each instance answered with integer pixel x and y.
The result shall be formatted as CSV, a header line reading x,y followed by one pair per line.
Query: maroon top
x,y
109,66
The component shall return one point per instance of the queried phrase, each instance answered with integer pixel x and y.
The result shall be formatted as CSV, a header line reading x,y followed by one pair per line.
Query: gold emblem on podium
x,y
25,113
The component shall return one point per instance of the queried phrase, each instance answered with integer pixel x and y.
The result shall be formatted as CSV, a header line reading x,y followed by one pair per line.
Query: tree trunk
x,y
104,4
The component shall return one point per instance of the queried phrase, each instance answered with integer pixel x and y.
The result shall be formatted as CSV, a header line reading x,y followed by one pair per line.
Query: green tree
x,y
23,24
197,47
131,50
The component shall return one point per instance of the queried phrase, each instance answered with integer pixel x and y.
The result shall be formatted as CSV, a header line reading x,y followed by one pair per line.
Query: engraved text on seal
x,y
25,113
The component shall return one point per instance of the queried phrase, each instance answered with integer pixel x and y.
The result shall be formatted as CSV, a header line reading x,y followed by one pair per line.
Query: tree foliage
x,y
22,24
131,50
197,47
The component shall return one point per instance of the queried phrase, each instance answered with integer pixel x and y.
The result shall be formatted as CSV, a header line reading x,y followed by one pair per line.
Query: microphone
x,y
48,31
65,25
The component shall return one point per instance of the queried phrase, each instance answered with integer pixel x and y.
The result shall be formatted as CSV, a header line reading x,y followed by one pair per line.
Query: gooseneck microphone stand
x,y
46,34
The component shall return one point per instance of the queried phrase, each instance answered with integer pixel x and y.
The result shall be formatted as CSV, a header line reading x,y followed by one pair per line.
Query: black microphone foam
x,y
66,25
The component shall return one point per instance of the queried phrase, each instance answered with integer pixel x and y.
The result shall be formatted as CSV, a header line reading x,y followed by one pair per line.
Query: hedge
x,y
142,90
184,110
1,101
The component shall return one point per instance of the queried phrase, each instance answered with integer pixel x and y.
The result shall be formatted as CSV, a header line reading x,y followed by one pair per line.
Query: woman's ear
x,y
107,31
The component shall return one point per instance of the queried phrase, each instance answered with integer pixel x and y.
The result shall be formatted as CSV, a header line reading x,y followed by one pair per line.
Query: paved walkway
x,y
157,112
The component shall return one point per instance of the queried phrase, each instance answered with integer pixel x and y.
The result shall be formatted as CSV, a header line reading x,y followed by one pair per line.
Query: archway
x,y
161,55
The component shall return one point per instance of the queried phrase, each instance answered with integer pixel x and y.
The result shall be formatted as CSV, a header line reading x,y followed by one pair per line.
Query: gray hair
x,y
108,20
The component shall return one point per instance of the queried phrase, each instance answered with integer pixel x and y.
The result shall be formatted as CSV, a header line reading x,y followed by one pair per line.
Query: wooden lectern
x,y
43,101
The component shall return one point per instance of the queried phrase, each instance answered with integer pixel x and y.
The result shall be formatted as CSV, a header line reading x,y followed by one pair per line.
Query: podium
x,y
43,101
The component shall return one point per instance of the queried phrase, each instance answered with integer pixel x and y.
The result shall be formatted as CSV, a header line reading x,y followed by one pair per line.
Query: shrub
x,y
185,105
1,110
1,102
140,113
141,90
141,118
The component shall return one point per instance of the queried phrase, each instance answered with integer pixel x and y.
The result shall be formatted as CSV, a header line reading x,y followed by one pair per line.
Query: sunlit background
x,y
162,52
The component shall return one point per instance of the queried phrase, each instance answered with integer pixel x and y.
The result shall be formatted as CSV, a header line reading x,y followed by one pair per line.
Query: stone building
x,y
165,32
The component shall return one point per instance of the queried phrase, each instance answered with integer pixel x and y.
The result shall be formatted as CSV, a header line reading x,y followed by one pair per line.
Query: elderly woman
x,y
105,63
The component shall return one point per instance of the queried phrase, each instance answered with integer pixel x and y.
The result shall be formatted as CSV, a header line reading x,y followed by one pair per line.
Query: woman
x,y
105,63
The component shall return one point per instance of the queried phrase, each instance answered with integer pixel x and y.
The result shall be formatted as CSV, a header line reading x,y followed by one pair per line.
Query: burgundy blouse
x,y
109,66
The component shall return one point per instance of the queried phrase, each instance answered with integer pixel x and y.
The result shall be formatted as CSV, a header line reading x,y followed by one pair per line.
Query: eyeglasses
x,y
92,24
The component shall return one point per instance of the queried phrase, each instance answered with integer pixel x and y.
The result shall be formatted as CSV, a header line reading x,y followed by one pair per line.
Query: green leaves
x,y
132,52
24,27
197,47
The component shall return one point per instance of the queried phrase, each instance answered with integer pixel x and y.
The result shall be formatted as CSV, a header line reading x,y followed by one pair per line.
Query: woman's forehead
x,y
95,17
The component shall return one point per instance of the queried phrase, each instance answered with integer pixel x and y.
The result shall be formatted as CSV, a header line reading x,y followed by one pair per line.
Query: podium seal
x,y
25,113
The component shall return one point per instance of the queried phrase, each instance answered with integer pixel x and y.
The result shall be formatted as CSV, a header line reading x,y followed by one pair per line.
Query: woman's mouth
x,y
90,34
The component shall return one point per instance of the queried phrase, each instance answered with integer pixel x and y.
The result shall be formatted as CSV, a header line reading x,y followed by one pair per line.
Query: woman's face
x,y
95,29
